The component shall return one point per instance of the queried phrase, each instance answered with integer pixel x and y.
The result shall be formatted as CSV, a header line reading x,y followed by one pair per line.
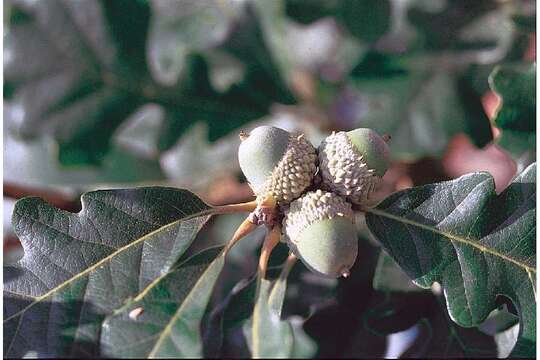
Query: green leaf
x,y
310,11
392,312
128,23
229,315
390,277
440,25
32,163
177,30
431,332
438,337
419,105
476,244
232,312
498,322
517,113
505,341
79,268
266,334
79,80
64,72
173,307
217,158
525,23
516,86
194,98
367,20
269,336
249,43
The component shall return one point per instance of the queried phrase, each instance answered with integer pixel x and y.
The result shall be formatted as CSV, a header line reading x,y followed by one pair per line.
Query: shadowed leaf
x,y
517,113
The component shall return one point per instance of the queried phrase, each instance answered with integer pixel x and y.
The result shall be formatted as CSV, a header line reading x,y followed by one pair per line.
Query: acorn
x,y
319,229
278,165
353,163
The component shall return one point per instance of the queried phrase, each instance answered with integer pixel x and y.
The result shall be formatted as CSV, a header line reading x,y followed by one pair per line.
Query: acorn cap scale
x,y
277,163
319,229
353,163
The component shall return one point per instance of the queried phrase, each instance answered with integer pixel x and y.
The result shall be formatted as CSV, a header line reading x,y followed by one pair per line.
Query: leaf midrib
x,y
111,256
177,315
463,240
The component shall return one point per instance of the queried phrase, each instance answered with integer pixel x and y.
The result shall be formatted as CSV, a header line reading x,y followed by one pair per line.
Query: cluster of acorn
x,y
305,195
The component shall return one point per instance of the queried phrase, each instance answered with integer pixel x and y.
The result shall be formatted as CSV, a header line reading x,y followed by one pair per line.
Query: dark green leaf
x,y
439,27
32,163
263,80
87,139
195,99
420,106
269,336
392,312
516,86
476,244
517,113
525,23
309,11
390,277
128,24
266,335
176,30
62,68
439,337
79,80
79,268
235,309
173,306
367,20
499,320
378,65
477,124
431,332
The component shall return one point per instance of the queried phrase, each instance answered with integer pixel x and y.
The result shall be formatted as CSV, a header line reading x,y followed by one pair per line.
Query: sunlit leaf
x,y
475,243
172,309
79,268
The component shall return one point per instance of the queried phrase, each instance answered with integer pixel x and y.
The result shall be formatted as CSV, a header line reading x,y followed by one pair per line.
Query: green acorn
x,y
353,163
319,229
278,165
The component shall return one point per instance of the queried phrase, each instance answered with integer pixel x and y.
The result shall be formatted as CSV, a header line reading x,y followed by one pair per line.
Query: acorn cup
x,y
319,229
353,163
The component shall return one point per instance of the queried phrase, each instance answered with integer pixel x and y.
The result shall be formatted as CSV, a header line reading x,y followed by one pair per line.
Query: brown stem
x,y
270,242
267,202
236,208
244,229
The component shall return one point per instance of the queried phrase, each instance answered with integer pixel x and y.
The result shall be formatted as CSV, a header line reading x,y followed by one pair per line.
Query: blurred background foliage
x,y
121,93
